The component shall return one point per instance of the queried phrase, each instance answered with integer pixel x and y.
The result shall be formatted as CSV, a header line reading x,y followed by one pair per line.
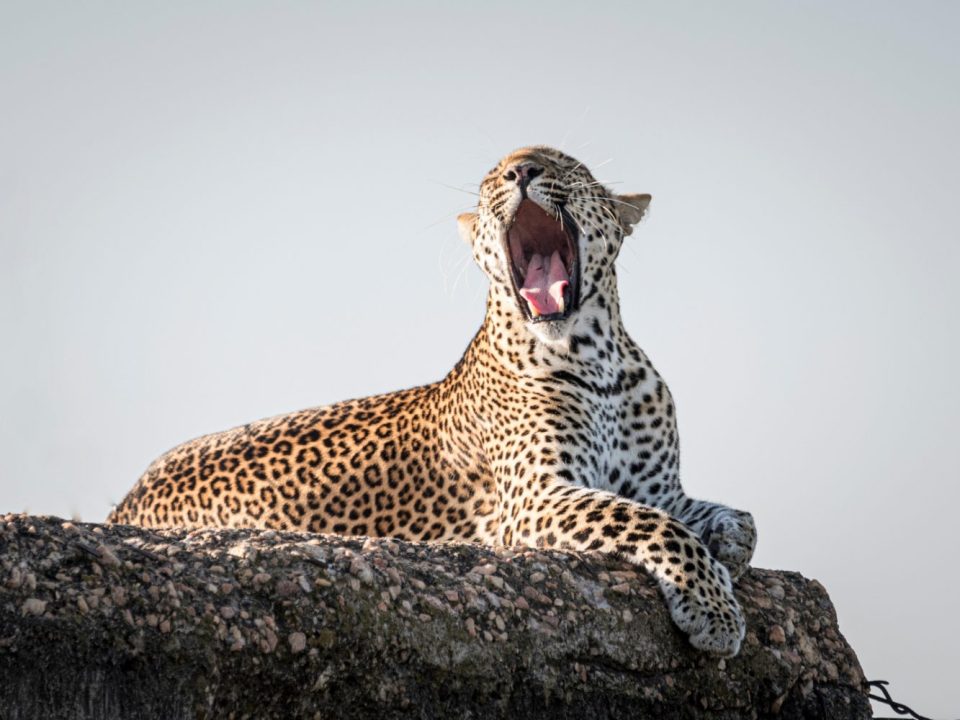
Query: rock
x,y
777,635
107,556
361,569
320,626
15,578
298,642
33,606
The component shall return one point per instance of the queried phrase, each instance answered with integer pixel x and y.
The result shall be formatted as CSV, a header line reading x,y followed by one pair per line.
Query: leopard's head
x,y
547,234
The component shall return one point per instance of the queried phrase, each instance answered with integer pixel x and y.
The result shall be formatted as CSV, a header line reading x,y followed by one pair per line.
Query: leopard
x,y
553,430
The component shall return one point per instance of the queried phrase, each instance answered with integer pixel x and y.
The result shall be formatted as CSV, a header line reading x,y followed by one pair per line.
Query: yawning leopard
x,y
553,429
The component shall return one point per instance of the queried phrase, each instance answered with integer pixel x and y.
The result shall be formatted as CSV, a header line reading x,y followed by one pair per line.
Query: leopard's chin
x,y
541,250
553,332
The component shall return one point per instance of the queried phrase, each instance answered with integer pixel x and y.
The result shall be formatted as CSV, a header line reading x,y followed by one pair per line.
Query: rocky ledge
x,y
100,621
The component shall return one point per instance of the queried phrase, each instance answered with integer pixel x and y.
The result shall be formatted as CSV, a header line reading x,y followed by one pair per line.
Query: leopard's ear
x,y
467,224
630,209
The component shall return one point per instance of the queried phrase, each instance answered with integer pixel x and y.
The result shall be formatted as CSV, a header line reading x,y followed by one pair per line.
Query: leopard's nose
x,y
522,173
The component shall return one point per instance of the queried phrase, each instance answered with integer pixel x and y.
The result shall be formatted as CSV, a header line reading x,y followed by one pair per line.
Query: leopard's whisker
x,y
602,235
447,216
454,187
595,183
611,199
571,171
464,264
572,127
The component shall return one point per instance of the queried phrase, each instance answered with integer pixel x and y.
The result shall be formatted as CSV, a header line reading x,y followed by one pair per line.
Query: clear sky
x,y
215,212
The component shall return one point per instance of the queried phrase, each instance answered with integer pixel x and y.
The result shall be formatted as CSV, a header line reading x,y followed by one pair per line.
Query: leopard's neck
x,y
591,342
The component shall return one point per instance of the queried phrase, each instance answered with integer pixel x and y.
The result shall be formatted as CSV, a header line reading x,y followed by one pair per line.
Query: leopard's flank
x,y
554,429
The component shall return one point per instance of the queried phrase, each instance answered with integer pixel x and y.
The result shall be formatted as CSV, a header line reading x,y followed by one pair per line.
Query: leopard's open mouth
x,y
544,263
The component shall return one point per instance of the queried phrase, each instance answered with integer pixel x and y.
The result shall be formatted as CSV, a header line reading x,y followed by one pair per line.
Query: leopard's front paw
x,y
731,537
710,616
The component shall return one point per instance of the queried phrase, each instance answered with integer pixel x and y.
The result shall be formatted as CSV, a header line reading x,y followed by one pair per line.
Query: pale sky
x,y
215,212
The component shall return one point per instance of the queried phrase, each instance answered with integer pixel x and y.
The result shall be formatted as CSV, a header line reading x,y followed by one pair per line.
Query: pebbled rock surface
x,y
100,621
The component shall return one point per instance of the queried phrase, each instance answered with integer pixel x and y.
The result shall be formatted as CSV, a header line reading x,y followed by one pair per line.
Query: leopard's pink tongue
x,y
544,284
